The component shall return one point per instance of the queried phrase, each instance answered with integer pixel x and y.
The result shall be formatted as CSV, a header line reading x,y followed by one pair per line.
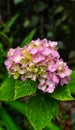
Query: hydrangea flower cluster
x,y
38,60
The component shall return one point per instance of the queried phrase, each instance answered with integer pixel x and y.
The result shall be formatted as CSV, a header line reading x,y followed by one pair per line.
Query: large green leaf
x,y
40,110
13,89
71,84
28,38
62,93
7,120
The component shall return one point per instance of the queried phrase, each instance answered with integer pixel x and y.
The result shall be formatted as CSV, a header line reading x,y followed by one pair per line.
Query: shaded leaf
x,y
19,106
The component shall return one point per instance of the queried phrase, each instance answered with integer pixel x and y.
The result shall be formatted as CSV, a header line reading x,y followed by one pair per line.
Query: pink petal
x,y
33,51
17,59
65,81
46,51
53,44
42,87
38,59
51,88
23,78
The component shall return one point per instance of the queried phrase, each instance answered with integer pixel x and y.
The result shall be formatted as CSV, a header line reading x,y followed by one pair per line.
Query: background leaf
x,y
58,9
28,38
10,23
18,1
4,39
9,123
40,6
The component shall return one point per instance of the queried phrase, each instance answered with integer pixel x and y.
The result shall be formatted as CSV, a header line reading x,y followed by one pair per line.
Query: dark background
x,y
52,19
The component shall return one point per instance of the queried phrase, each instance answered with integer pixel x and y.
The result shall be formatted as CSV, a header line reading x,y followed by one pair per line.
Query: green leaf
x,y
7,89
62,93
40,110
28,38
24,88
56,107
71,84
13,89
52,126
8,122
10,23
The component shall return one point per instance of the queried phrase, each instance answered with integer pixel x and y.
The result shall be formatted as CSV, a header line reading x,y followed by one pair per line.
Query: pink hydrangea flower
x,y
38,60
